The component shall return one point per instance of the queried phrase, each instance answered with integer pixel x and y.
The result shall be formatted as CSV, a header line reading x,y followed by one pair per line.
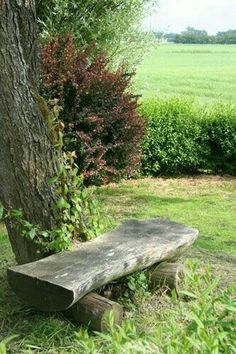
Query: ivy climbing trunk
x,y
27,159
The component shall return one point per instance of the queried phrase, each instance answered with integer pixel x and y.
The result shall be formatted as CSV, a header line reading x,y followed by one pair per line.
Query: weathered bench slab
x,y
55,283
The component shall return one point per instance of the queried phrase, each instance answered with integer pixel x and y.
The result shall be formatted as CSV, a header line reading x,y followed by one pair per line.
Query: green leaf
x,y
52,180
16,213
75,199
142,277
27,224
70,227
211,287
74,172
230,308
94,203
32,234
131,286
84,194
4,342
1,212
196,319
44,234
78,208
62,204
189,294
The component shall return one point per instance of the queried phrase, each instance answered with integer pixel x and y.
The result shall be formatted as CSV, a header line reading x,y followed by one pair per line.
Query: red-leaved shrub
x,y
99,112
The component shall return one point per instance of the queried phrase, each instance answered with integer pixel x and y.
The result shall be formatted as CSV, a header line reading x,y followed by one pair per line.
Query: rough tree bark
x,y
27,159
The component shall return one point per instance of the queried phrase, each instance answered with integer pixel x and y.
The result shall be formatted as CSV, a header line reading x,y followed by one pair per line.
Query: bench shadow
x,y
158,200
29,324
139,206
16,317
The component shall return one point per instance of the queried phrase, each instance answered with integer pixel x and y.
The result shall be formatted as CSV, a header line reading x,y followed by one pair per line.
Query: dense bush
x,y
183,137
174,140
220,126
100,114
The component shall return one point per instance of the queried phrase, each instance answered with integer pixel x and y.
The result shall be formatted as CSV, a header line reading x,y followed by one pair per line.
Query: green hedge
x,y
220,126
183,137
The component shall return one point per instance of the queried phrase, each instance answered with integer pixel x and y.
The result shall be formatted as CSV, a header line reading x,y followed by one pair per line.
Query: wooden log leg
x,y
170,275
93,310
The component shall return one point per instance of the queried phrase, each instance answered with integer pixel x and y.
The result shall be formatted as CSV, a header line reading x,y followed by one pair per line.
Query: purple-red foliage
x,y
100,114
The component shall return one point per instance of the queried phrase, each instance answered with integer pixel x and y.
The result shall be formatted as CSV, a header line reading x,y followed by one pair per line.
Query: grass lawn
x,y
205,202
207,72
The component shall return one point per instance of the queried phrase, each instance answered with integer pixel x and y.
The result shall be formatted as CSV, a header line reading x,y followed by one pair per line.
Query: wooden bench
x,y
59,281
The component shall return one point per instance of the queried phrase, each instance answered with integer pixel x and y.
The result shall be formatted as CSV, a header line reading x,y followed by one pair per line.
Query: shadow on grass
x,y
143,200
121,207
147,198
18,318
35,330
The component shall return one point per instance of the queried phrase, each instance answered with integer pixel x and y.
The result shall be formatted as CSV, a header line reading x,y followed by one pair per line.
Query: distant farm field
x,y
206,72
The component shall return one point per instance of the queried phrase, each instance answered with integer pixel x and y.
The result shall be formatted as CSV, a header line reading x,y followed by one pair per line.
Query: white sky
x,y
176,15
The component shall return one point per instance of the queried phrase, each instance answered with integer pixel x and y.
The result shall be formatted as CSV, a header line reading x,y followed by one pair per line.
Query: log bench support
x,y
169,275
93,311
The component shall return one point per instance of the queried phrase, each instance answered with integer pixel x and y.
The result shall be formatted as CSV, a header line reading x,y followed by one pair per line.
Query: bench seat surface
x,y
55,283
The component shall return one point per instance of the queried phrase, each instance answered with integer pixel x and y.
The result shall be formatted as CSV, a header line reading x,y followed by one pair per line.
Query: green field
x,y
206,72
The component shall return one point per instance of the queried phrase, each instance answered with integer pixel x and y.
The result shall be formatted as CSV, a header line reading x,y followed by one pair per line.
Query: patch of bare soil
x,y
198,180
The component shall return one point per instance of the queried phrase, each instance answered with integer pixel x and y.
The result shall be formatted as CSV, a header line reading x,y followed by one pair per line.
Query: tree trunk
x,y
27,159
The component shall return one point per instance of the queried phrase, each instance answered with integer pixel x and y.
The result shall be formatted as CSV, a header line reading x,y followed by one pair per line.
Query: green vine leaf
x,y
1,212
32,234
52,180
62,204
77,218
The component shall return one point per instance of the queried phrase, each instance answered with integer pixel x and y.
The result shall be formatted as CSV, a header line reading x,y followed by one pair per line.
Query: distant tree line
x,y
194,36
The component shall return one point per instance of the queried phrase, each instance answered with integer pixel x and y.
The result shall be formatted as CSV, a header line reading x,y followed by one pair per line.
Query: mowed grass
x,y
206,72
207,203
204,202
